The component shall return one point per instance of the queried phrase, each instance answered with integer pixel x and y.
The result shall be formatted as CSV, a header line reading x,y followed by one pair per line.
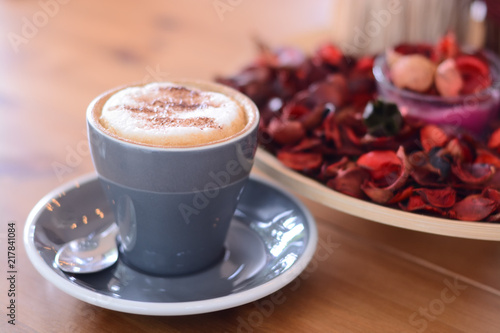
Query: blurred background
x,y
369,26
384,23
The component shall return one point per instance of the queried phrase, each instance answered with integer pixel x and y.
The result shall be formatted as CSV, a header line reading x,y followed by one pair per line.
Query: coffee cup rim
x,y
244,101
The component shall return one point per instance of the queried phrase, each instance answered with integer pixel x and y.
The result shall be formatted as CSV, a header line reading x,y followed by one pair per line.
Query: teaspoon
x,y
89,254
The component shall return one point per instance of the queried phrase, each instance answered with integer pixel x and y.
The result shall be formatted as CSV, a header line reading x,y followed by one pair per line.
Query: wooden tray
x,y
316,191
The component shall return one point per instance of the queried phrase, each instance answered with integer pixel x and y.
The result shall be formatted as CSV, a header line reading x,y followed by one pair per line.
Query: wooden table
x,y
56,56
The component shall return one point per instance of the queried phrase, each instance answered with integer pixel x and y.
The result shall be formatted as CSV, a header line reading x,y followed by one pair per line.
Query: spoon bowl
x,y
89,254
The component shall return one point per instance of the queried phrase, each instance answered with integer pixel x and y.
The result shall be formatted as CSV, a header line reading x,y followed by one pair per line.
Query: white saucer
x,y
271,240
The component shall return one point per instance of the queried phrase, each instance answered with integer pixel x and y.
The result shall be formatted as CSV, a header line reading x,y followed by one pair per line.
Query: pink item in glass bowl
x,y
470,112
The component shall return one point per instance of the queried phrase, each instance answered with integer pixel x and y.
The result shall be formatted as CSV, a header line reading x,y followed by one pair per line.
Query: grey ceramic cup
x,y
173,206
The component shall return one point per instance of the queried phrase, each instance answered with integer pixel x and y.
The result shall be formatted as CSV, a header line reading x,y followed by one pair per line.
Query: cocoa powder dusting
x,y
164,107
200,122
160,109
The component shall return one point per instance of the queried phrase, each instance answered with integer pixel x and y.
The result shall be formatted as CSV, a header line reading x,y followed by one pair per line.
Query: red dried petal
x,y
331,129
432,136
405,170
423,172
446,48
492,194
425,177
470,63
330,54
306,109
442,198
401,195
377,194
494,140
415,203
486,157
473,173
332,90
377,159
405,48
392,167
475,73
418,159
459,150
313,118
473,208
495,181
349,182
332,169
364,64
351,135
380,163
294,111
285,132
300,161
306,144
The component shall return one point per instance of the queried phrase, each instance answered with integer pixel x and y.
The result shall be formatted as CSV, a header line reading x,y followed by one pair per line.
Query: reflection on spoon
x,y
89,254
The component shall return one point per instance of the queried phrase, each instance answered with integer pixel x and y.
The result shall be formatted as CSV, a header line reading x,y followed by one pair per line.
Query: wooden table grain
x,y
57,55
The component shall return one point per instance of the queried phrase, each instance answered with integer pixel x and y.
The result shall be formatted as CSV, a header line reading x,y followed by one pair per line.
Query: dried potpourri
x,y
443,69
320,117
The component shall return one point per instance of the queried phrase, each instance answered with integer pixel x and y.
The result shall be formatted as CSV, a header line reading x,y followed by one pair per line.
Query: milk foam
x,y
167,114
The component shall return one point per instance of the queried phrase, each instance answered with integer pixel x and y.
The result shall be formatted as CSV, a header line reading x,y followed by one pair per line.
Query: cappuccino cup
x,y
172,159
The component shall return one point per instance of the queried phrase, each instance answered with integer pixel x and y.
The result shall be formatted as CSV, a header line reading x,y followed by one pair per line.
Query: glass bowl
x,y
471,113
